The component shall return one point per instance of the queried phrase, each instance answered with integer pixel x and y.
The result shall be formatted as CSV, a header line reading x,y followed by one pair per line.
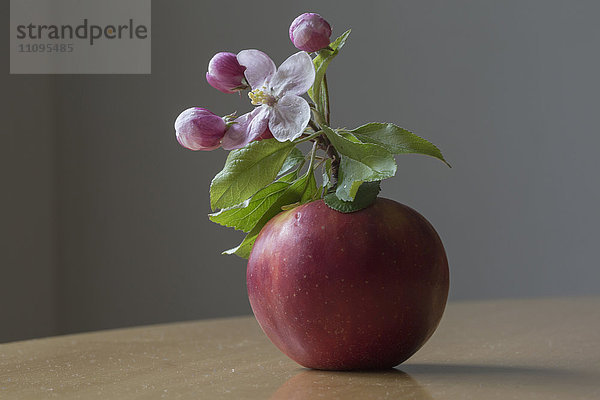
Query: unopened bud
x,y
310,32
199,129
225,73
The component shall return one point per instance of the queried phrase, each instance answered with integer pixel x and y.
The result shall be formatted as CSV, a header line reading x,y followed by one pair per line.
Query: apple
x,y
335,291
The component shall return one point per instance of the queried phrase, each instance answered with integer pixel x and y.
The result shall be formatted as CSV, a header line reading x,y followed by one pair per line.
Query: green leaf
x,y
247,170
321,63
396,140
292,160
366,195
327,173
289,177
360,162
311,192
295,193
245,216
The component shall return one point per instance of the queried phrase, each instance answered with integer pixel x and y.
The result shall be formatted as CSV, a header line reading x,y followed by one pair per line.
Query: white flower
x,y
277,93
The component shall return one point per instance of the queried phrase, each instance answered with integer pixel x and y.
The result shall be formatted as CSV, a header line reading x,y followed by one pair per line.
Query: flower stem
x,y
326,108
319,118
308,138
326,146
313,152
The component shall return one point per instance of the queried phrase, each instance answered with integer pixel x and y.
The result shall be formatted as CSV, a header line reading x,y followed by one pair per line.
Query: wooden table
x,y
509,349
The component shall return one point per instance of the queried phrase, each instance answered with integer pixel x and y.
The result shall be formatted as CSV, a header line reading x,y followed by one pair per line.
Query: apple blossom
x,y
225,73
277,93
199,129
310,32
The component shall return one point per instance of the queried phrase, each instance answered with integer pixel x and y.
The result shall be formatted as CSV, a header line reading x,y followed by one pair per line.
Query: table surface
x,y
507,349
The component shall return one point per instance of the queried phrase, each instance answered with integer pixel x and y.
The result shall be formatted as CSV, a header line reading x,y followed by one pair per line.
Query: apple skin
x,y
335,291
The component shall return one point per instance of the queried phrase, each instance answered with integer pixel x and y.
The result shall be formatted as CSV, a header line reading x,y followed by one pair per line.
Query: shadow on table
x,y
481,369
485,373
315,384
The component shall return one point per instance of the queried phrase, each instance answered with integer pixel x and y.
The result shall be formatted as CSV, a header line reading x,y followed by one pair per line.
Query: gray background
x,y
104,215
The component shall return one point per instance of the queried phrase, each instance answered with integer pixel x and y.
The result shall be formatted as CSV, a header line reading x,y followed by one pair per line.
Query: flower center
x,y
258,97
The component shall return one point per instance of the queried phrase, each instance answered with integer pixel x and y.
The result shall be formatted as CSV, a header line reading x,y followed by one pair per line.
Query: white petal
x,y
247,128
295,76
235,137
289,117
259,67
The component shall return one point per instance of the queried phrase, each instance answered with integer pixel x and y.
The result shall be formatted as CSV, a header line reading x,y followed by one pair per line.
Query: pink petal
x,y
247,128
289,117
259,67
295,76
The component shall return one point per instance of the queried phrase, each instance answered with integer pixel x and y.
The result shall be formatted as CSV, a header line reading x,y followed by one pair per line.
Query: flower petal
x,y
289,117
259,67
295,76
247,128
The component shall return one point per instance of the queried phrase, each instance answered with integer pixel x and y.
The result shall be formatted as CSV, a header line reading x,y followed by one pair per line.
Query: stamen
x,y
258,97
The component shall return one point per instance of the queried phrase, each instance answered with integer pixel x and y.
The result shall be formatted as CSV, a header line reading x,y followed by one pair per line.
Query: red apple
x,y
336,291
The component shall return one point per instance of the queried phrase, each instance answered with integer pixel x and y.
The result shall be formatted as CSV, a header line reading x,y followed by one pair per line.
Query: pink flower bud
x,y
310,32
225,73
199,129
